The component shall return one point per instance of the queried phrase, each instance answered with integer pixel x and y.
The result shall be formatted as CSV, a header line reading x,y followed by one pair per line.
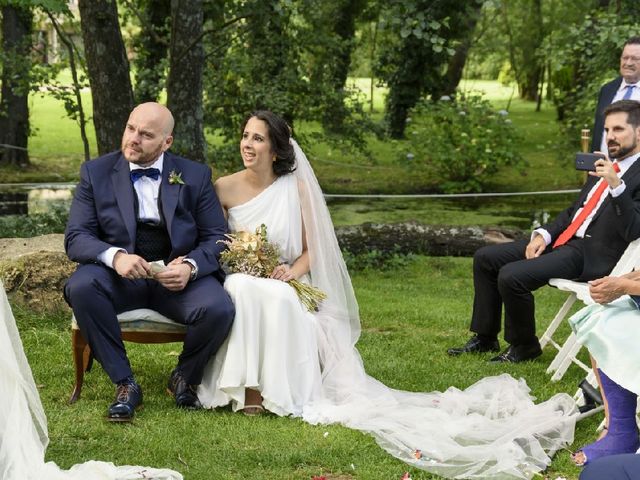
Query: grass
x,y
410,315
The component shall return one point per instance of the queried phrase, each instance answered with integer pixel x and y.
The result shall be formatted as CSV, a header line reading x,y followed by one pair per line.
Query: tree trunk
x,y
14,108
457,62
406,86
152,48
184,85
343,20
108,70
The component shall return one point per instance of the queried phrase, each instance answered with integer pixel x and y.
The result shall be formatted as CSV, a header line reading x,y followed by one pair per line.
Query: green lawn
x,y
410,315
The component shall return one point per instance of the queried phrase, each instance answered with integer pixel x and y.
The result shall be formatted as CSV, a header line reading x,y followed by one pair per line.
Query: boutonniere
x,y
175,178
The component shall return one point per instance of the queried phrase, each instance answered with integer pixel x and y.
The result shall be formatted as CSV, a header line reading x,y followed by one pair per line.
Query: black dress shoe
x,y
475,345
184,394
518,353
128,400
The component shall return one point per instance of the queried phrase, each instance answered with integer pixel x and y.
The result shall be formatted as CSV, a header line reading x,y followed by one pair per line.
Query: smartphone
x,y
586,161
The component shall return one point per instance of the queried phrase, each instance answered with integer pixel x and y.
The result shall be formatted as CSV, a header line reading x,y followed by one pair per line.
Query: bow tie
x,y
138,173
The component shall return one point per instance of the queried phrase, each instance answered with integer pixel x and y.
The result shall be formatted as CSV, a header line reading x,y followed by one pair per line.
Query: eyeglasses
x,y
630,58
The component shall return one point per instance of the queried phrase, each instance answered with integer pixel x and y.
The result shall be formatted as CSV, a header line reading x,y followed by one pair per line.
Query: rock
x,y
34,270
413,237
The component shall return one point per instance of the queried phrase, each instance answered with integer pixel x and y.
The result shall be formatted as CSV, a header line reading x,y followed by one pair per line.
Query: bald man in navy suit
x,y
133,207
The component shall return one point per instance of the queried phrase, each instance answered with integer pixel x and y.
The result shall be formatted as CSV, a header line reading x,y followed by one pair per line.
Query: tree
x,y
14,109
334,29
458,60
108,70
419,42
184,85
151,46
525,34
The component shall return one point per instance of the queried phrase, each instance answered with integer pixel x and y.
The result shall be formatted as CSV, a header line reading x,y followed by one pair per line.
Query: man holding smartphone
x,y
584,242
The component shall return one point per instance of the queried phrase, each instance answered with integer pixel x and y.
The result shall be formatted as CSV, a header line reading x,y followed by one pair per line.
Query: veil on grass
x,y
493,429
23,424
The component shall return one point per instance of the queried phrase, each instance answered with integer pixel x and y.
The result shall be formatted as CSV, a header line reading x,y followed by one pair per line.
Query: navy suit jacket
x,y
102,212
605,97
615,224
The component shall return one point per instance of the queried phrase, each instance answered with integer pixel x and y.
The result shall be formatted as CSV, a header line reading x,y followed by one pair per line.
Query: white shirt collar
x,y
623,85
157,164
627,162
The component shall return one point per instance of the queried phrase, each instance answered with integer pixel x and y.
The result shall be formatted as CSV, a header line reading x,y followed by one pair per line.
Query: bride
x,y
284,359
23,425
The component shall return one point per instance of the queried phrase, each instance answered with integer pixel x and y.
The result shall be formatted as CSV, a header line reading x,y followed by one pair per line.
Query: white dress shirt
x,y
147,190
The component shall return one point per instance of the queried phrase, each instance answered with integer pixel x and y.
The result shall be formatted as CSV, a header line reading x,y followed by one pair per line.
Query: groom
x,y
133,207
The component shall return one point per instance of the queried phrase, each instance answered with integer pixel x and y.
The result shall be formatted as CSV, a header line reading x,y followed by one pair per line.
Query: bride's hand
x,y
282,272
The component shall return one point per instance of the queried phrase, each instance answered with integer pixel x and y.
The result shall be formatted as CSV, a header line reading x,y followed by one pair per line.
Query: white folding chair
x,y
568,351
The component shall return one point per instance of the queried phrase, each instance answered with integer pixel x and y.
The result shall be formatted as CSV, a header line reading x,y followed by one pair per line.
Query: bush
x,y
462,142
22,226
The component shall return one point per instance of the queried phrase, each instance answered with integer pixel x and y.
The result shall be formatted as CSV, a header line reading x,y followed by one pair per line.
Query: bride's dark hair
x,y
279,133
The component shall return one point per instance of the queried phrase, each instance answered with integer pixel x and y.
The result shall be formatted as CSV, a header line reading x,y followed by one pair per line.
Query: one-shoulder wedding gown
x,y
307,364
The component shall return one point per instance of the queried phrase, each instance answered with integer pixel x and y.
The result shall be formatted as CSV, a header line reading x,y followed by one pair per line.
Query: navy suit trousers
x,y
97,294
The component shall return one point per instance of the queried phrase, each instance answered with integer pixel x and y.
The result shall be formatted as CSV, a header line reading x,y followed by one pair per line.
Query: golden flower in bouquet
x,y
253,254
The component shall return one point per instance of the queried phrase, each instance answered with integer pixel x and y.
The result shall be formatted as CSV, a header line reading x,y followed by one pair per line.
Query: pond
x,y
33,198
508,211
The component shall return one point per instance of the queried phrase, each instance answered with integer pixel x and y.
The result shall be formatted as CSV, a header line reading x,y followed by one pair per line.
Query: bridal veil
x,y
493,429
23,424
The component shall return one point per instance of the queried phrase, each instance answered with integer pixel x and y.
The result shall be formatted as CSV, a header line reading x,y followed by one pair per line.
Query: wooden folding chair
x,y
139,326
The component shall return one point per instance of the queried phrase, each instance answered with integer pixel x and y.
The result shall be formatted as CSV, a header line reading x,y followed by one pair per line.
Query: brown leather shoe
x,y
184,394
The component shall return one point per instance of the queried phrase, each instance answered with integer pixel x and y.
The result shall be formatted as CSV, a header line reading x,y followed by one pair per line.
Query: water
x,y
32,198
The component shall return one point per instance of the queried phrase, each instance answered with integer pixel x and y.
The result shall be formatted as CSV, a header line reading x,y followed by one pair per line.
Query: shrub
x,y
22,226
462,142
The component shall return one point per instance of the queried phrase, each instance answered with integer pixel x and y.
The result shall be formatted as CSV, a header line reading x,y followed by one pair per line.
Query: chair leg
x,y
82,360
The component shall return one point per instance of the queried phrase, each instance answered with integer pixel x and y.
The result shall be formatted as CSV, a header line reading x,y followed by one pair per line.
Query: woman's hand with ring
x,y
282,272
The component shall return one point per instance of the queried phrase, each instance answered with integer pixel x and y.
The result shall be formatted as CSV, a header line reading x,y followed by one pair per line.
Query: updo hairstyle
x,y
279,133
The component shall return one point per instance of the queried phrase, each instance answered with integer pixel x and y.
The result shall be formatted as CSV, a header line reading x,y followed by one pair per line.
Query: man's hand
x,y
606,289
175,277
604,169
131,266
535,247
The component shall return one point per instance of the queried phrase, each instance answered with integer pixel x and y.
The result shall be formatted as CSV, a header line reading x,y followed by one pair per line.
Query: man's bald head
x,y
148,133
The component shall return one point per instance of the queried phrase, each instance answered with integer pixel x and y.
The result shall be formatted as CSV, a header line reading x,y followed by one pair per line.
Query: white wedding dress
x,y
272,345
23,425
307,364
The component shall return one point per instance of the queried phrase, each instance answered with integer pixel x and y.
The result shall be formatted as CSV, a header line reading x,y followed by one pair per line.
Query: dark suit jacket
x,y
605,97
615,224
102,212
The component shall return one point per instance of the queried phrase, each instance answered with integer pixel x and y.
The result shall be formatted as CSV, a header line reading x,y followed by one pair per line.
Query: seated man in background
x,y
584,242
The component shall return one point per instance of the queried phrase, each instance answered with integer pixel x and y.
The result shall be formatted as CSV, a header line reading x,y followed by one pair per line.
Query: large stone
x,y
34,270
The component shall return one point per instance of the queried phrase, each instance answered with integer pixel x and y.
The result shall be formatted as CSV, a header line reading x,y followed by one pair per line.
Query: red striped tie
x,y
571,230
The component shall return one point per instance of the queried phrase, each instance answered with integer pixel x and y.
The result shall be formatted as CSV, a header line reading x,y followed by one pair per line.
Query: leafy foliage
x,y
463,141
23,226
586,55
